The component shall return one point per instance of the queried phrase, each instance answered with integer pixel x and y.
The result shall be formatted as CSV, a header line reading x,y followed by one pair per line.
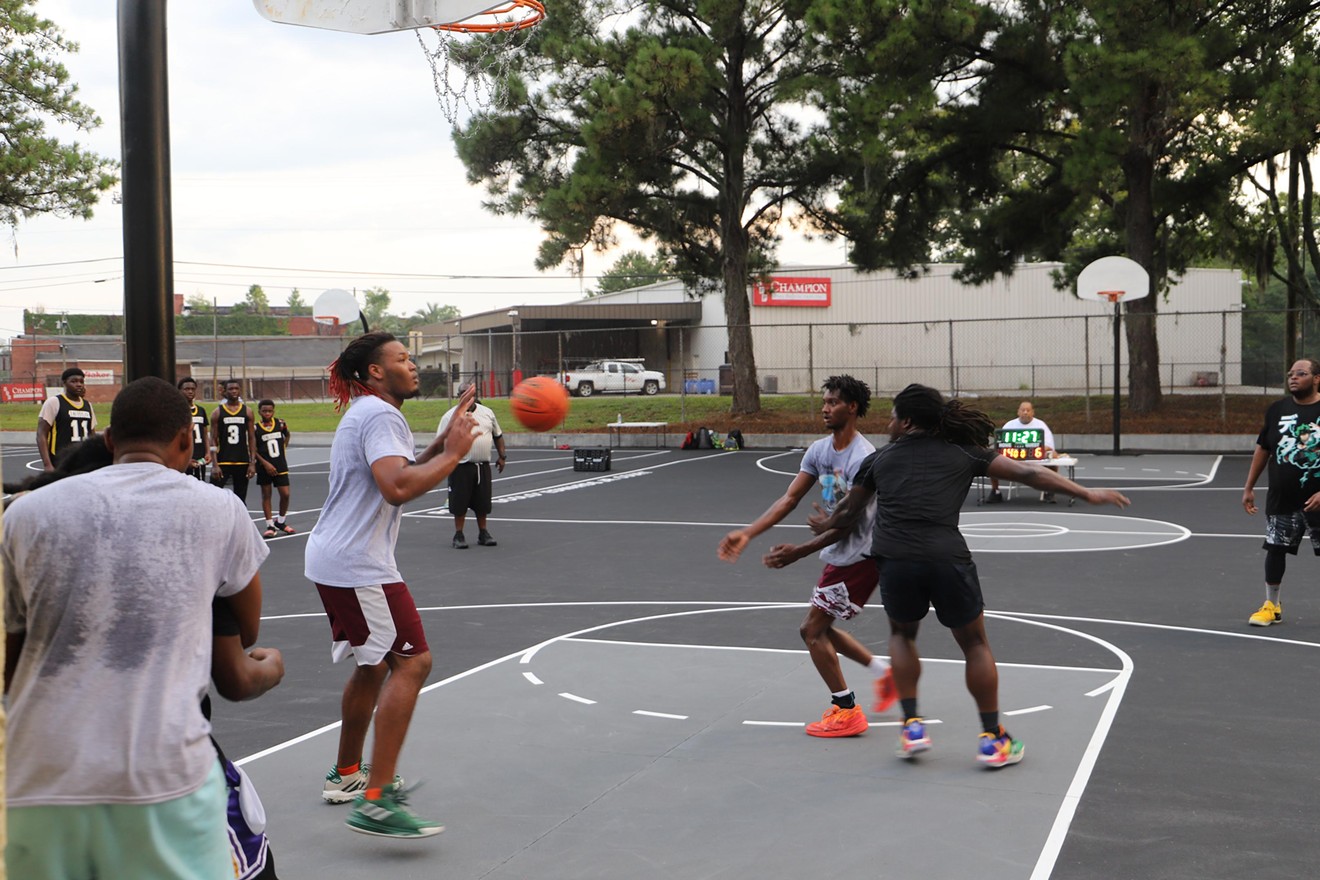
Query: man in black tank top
x,y
65,419
233,441
201,429
273,466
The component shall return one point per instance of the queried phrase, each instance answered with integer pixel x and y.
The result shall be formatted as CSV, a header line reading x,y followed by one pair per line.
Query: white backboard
x,y
335,307
372,16
1113,279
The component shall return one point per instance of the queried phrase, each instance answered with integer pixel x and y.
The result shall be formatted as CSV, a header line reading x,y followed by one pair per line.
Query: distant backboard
x,y
1113,279
372,16
336,308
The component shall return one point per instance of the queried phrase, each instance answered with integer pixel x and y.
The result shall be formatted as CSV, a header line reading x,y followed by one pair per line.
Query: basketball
x,y
539,403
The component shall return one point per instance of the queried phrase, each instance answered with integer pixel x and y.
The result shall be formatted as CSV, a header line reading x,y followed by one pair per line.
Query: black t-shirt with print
x,y
1291,435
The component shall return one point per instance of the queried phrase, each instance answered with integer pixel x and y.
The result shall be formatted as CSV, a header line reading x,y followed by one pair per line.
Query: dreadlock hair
x,y
79,458
952,420
348,373
850,390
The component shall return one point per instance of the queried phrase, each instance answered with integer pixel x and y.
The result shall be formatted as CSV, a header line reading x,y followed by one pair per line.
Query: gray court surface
x,y
609,699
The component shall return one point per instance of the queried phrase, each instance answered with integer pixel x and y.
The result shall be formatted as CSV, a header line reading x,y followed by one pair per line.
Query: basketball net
x,y
1112,296
471,60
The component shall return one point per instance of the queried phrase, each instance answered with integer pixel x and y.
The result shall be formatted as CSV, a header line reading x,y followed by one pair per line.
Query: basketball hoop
x,y
473,74
1112,296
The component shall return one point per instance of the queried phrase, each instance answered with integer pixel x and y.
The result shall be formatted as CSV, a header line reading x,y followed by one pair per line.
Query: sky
x,y
300,158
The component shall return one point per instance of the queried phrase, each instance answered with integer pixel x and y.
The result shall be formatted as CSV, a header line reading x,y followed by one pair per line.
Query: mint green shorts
x,y
183,839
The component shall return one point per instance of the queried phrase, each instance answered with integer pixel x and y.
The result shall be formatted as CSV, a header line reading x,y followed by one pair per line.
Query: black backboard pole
x,y
148,235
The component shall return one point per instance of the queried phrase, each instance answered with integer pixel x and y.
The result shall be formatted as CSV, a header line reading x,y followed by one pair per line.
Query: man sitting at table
x,y
1026,418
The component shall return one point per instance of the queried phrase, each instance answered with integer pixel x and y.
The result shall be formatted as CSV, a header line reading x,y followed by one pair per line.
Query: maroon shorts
x,y
842,591
372,622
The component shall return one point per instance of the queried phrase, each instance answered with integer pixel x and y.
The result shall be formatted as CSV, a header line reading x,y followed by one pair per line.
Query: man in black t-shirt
x,y
1289,443
920,481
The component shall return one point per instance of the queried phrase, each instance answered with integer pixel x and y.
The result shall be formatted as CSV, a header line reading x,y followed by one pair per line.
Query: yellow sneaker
x,y
1269,613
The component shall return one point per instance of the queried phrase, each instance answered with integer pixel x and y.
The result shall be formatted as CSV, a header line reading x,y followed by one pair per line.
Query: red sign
x,y
14,392
792,291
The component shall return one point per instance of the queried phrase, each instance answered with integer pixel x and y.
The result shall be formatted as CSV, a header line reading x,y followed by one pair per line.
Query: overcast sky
x,y
293,151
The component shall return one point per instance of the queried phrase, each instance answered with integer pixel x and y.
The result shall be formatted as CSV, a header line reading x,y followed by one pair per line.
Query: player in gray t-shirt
x,y
849,577
350,558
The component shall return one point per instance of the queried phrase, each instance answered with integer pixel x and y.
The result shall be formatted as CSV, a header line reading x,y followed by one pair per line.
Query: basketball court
x,y
609,699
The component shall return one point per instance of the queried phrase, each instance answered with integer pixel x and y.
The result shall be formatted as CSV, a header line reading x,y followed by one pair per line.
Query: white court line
x,y
659,715
575,698
1029,711
532,678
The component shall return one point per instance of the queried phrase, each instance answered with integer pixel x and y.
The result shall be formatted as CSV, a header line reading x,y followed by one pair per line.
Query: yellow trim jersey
x,y
233,434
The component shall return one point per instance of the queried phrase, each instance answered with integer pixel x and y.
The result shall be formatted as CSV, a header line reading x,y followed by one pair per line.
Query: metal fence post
x,y
1223,367
953,375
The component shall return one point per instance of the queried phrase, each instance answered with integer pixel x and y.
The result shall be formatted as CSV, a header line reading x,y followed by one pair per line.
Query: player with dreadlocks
x,y
919,482
350,558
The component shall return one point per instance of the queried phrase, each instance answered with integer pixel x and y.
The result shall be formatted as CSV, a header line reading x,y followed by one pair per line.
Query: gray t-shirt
x,y
483,444
352,544
835,471
111,577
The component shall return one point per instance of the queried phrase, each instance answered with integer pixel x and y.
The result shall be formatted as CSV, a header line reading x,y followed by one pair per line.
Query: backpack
x,y
689,442
734,440
705,440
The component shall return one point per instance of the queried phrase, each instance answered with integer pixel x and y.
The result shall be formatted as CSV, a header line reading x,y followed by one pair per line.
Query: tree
x,y
257,301
38,173
1047,130
296,304
681,119
433,314
199,304
376,306
633,269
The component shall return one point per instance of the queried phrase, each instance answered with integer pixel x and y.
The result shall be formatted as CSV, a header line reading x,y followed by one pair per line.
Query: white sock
x,y
878,666
1272,592
269,524
843,693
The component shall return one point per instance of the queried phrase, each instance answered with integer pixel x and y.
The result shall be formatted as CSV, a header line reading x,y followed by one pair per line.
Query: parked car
x,y
621,375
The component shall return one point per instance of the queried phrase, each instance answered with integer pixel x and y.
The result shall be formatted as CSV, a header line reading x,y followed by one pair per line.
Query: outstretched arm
x,y
1047,480
732,544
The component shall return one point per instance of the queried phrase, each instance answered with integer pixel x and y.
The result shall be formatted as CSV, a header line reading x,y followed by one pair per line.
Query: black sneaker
x,y
995,497
460,542
485,540
1048,498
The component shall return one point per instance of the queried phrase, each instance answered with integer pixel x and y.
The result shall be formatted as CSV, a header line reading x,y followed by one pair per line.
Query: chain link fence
x,y
1227,351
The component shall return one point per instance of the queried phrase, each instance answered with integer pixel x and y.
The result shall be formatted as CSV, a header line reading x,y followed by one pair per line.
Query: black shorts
x,y
469,489
265,479
909,587
1284,531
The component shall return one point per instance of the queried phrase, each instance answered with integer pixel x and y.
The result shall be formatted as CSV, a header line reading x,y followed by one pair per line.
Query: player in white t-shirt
x,y
1026,418
849,577
350,558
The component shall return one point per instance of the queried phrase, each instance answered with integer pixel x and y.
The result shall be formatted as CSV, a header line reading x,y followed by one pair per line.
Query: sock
x,y
909,708
373,794
350,769
844,699
269,524
990,723
878,666
1272,592
279,520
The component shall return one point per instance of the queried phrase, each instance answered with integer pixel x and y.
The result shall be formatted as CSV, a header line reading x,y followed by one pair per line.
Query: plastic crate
x,y
591,459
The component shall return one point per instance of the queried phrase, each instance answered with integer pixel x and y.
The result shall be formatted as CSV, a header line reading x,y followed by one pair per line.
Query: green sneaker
x,y
389,816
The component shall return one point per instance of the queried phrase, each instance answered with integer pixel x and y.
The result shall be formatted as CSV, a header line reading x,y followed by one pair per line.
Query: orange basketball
x,y
539,403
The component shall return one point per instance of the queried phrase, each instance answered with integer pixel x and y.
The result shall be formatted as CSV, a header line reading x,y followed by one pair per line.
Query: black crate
x,y
591,459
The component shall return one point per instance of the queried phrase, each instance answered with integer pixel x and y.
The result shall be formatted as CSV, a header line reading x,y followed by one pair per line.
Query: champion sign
x,y
791,291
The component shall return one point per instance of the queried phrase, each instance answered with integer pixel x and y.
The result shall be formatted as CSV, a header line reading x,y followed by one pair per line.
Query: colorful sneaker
x,y
342,789
913,740
389,816
269,533
885,691
999,751
839,722
1269,613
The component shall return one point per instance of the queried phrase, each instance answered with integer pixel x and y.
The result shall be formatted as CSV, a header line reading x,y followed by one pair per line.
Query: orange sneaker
x,y
886,692
839,722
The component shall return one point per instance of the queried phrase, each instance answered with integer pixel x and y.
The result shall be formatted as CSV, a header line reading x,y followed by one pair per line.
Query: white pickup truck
x,y
624,375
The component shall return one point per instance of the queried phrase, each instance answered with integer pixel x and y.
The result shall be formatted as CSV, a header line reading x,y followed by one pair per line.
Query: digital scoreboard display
x,y
1021,444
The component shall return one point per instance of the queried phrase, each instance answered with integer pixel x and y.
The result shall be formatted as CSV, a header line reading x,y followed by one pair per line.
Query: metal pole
x,y
215,346
148,237
682,377
811,360
1086,337
953,376
1118,321
1223,367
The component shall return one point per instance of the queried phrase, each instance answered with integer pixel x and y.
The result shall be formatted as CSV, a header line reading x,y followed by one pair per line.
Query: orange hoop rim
x,y
476,24
1112,296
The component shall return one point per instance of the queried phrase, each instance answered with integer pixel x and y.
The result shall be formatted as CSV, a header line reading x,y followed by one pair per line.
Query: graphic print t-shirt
x,y
835,471
1291,435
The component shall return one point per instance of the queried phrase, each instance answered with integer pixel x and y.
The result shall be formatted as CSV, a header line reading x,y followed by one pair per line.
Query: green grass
x,y
424,415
